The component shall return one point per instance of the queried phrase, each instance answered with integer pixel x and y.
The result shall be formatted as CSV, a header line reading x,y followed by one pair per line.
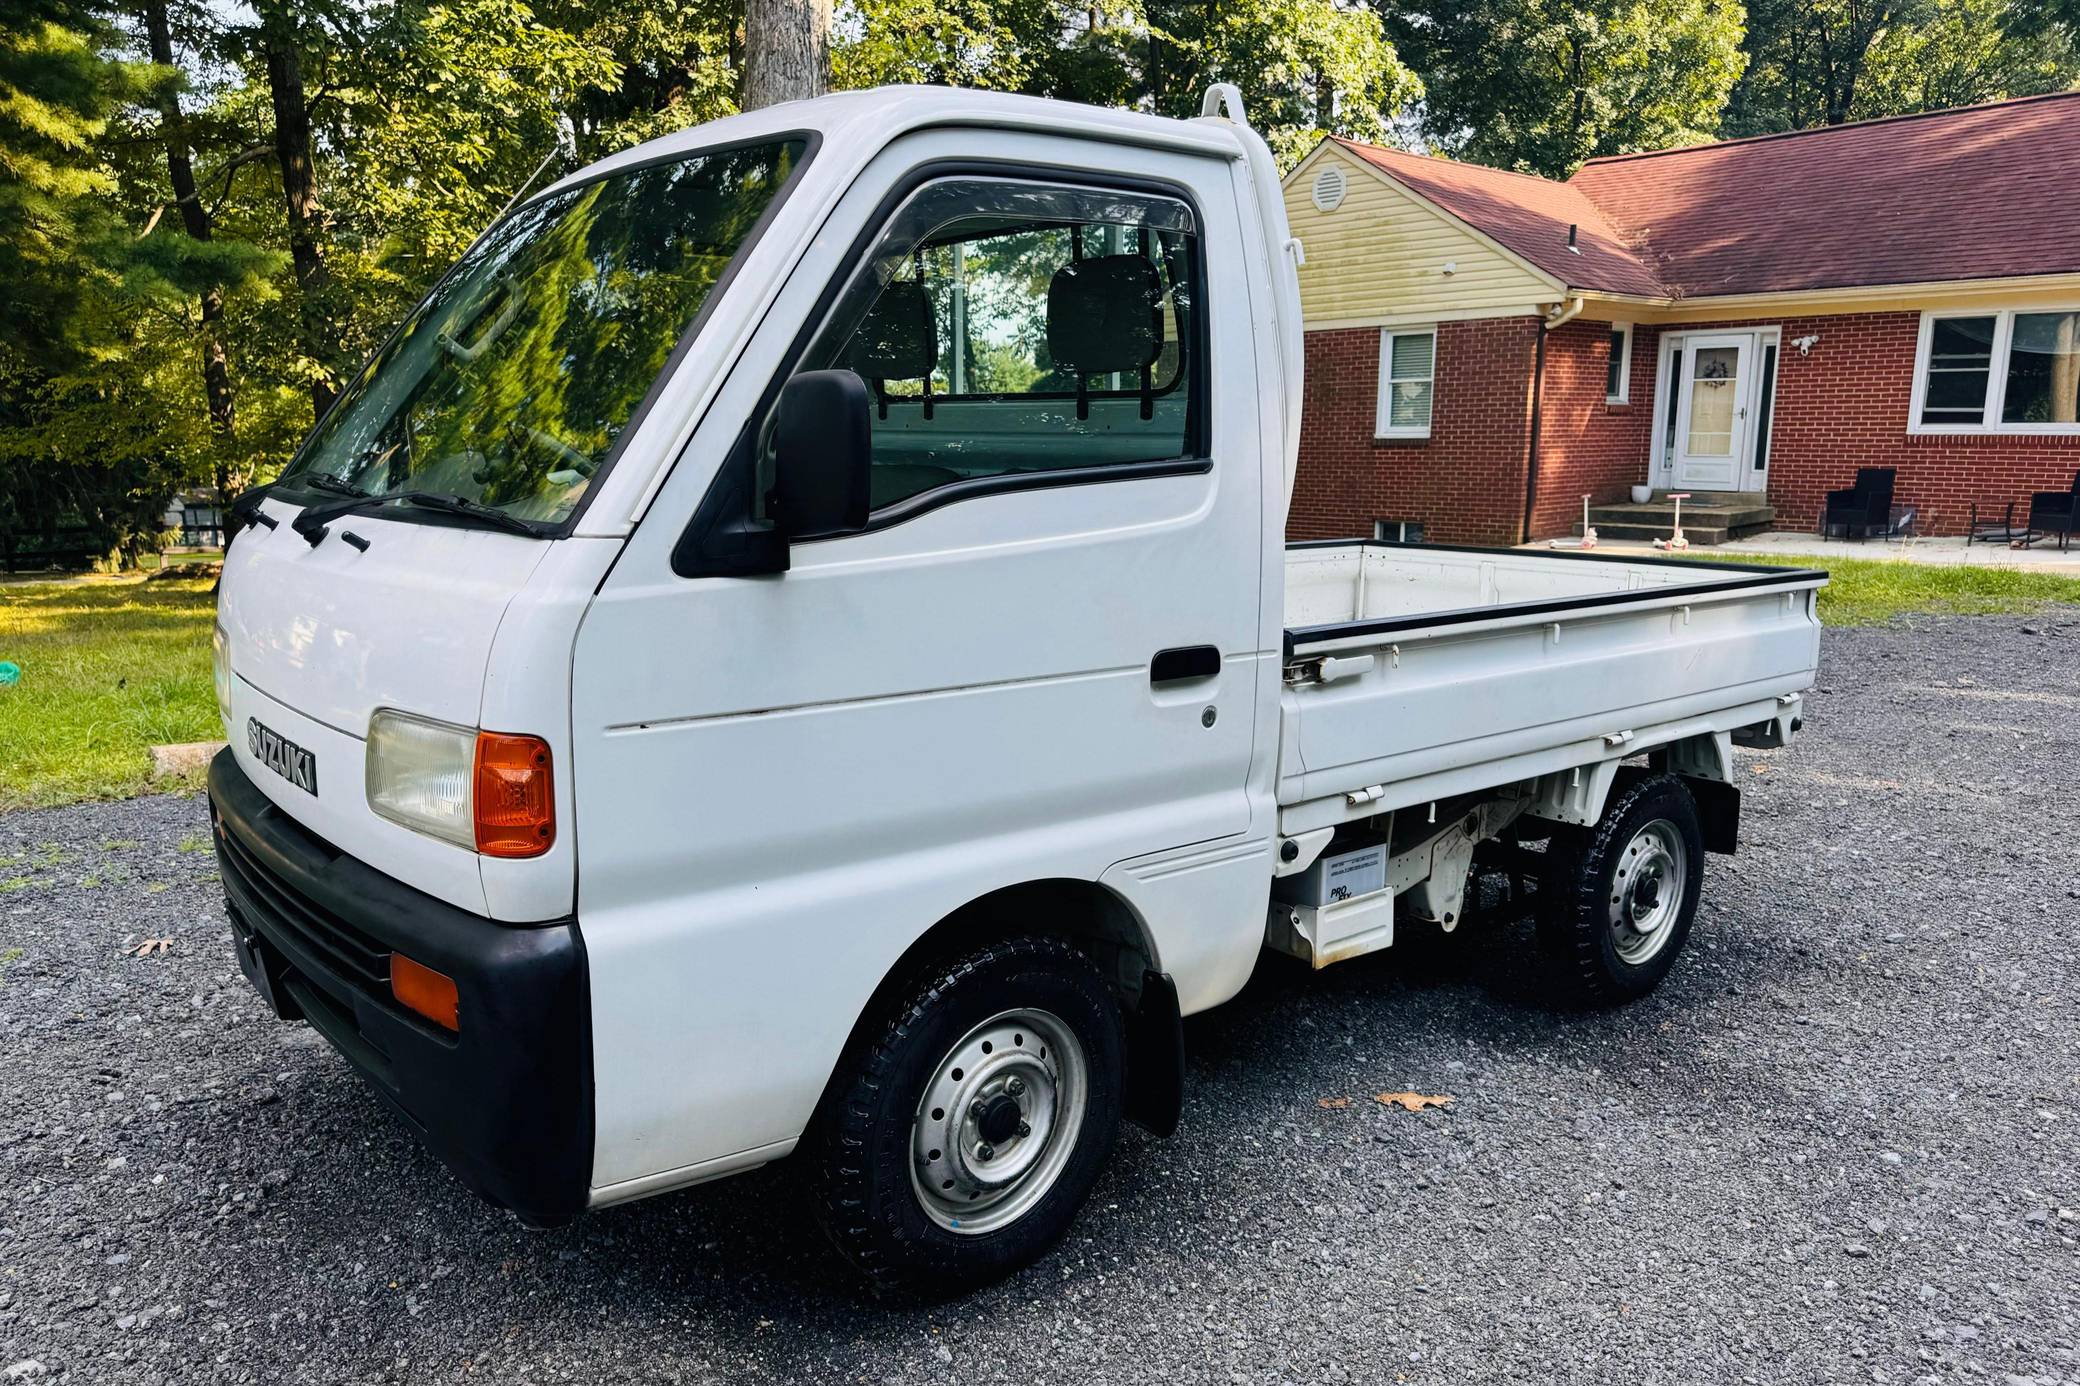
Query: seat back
x,y
1105,314
898,339
1874,486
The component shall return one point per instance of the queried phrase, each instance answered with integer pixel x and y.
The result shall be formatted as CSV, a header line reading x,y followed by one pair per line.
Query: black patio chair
x,y
2056,512
1861,510
1992,521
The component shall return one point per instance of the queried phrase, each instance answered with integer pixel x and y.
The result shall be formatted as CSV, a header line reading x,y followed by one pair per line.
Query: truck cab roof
x,y
868,120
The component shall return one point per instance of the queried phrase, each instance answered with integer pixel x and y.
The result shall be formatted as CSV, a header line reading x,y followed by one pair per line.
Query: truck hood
x,y
335,632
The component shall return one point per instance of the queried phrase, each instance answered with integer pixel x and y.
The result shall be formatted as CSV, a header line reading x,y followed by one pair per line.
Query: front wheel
x,y
1620,897
967,1132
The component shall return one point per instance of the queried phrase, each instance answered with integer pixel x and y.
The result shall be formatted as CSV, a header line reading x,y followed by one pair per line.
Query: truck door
x,y
1040,657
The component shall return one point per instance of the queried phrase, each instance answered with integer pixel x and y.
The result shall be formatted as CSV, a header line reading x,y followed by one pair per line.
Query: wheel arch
x,y
1702,762
1097,921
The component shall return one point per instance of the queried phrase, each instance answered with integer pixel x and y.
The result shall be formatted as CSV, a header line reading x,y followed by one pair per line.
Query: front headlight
x,y
220,669
421,773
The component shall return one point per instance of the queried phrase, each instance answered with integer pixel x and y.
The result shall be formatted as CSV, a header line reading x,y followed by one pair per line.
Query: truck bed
x,y
1415,673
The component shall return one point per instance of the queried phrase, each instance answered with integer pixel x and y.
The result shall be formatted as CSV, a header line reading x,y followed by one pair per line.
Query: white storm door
x,y
1712,413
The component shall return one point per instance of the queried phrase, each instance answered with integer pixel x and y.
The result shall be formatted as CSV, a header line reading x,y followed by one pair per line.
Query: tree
x,y
1963,52
195,220
1306,67
1541,85
280,47
787,51
672,64
58,93
1805,59
1822,62
81,441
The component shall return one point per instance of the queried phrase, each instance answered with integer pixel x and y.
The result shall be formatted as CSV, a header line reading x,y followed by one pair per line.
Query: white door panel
x,y
827,761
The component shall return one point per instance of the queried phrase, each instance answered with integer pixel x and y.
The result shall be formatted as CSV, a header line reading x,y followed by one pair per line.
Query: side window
x,y
1007,327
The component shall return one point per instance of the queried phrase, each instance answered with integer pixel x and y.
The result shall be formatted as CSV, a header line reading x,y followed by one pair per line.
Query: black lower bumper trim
x,y
507,1102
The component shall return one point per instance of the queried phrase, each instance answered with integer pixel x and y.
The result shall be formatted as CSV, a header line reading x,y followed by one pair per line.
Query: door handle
x,y
1183,664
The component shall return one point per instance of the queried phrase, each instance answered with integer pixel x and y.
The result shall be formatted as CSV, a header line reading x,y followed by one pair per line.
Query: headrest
x,y
898,339
1105,314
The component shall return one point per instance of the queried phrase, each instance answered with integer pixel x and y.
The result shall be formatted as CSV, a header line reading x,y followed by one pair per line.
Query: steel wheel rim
x,y
1647,891
998,1120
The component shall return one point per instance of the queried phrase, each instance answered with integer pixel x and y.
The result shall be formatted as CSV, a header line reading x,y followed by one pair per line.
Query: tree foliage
x,y
1541,85
212,214
1823,62
59,93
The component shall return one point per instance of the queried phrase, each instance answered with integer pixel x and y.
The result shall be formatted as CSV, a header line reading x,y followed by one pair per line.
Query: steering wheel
x,y
581,463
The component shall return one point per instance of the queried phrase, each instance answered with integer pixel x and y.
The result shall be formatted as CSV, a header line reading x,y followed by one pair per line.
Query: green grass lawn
x,y
110,667
1872,591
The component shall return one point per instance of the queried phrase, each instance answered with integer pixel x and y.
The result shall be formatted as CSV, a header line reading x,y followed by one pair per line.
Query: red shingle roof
x,y
1526,214
1981,192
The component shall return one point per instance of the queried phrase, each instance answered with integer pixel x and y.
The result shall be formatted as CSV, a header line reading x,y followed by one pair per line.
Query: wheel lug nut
x,y
975,1111
986,1151
1015,1086
1025,1128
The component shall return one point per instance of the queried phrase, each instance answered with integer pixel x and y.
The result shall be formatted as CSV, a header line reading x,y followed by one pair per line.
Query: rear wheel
x,y
1620,897
968,1131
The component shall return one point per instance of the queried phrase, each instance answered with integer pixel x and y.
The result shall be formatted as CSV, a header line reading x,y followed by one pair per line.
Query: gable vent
x,y
1328,188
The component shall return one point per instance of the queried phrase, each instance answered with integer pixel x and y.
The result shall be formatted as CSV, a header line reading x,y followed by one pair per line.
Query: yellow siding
x,y
1381,254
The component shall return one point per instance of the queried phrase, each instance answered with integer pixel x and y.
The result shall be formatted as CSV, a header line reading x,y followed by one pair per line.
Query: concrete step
x,y
1751,512
1707,519
1696,534
1710,497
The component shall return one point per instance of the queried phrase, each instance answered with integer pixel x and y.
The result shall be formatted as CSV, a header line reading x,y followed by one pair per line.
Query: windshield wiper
x,y
326,481
476,510
311,524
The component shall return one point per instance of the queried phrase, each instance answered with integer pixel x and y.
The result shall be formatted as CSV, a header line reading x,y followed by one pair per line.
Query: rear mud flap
x,y
1155,1058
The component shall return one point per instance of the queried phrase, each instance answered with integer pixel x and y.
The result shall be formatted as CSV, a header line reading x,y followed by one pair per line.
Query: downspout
x,y
1562,314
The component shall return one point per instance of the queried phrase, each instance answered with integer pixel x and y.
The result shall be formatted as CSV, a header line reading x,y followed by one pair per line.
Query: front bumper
x,y
506,1103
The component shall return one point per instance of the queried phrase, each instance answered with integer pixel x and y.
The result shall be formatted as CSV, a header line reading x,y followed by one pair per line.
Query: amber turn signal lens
x,y
418,987
515,807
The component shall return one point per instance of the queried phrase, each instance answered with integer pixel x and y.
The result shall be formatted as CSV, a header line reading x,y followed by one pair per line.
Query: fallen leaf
x,y
1334,1104
150,946
1410,1101
1761,769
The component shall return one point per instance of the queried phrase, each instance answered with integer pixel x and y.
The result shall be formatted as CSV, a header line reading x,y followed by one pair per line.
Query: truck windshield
x,y
510,383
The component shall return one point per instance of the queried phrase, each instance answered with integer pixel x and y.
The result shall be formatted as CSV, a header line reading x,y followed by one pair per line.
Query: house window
x,y
1407,382
1617,380
2005,372
1398,531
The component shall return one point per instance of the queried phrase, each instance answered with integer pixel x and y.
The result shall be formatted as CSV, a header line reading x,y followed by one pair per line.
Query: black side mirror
x,y
822,453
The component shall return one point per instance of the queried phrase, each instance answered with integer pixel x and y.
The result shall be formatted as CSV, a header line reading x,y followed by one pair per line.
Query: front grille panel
x,y
356,958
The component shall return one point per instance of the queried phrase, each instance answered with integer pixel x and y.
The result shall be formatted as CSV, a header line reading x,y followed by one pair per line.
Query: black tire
x,y
862,1148
1602,881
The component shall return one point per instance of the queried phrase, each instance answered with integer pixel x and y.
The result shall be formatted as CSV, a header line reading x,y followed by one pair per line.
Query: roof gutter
x,y
1561,314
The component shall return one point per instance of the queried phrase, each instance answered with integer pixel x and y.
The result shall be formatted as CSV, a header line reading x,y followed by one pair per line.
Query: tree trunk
x,y
180,171
1154,71
787,51
292,146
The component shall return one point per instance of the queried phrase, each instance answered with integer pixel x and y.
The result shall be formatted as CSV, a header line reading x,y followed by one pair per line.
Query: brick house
x,y
1752,320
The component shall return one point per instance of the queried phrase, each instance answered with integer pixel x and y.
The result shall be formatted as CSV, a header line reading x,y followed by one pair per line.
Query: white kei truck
x,y
791,649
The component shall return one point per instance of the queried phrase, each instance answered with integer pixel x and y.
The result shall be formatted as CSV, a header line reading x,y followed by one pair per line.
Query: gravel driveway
x,y
1841,1144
